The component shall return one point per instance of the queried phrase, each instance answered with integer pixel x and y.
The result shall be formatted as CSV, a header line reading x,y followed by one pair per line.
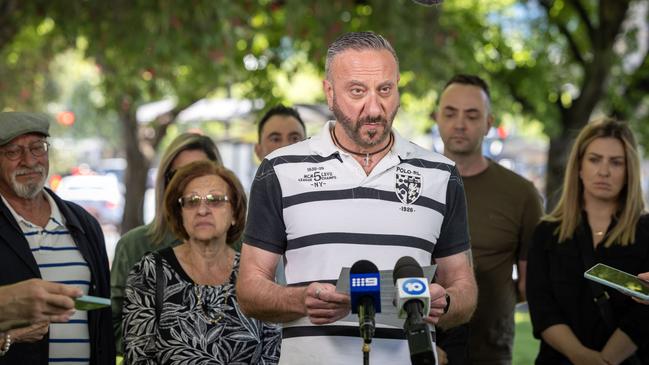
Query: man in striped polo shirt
x,y
42,236
357,190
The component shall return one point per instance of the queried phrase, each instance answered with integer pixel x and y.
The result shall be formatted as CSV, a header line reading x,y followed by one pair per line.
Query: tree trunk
x,y
136,170
557,160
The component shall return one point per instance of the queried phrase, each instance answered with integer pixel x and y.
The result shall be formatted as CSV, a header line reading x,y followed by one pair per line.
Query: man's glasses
x,y
37,149
194,201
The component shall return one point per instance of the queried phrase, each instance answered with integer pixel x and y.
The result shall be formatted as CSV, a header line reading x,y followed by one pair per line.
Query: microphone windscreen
x,y
407,267
363,267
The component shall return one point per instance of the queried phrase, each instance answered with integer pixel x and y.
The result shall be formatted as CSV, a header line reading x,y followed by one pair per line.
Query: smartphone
x,y
620,280
88,302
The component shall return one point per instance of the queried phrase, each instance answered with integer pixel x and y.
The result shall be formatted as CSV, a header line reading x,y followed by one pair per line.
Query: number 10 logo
x,y
414,286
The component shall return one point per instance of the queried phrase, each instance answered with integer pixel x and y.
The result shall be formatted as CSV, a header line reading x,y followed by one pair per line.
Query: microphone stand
x,y
366,353
366,324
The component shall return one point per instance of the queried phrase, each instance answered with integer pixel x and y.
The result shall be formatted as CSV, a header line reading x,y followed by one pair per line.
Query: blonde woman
x,y
599,218
186,148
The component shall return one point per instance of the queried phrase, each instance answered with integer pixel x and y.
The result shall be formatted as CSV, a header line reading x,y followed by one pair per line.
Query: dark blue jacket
x,y
17,264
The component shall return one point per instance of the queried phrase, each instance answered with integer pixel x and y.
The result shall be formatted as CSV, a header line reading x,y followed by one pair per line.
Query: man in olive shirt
x,y
503,208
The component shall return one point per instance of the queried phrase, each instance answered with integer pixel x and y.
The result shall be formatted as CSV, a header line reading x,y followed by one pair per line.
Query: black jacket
x,y
17,264
558,293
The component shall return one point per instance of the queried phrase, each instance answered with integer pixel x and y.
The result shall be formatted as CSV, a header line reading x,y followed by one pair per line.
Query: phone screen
x,y
620,278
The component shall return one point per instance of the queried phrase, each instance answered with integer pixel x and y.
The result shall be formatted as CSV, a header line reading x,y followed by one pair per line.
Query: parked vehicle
x,y
100,195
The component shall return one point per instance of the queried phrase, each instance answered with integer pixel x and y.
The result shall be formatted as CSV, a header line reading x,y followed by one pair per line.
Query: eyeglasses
x,y
211,200
37,149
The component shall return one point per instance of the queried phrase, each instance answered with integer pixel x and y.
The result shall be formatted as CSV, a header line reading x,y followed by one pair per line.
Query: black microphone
x,y
413,301
365,296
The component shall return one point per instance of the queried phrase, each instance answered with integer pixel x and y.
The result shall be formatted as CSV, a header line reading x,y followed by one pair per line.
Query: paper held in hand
x,y
388,315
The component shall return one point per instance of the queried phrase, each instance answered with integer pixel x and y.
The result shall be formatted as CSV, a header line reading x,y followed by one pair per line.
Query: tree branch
x,y
572,44
583,15
611,16
8,25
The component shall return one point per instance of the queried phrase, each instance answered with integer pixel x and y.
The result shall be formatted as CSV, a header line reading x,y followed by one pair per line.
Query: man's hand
x,y
437,303
324,305
36,300
32,333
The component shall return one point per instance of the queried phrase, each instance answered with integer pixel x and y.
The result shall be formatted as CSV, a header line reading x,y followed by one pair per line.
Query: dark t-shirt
x,y
503,210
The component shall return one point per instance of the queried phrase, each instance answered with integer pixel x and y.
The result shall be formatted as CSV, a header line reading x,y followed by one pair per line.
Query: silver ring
x,y
317,293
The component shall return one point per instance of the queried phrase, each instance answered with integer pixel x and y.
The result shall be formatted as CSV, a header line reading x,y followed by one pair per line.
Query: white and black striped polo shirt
x,y
314,204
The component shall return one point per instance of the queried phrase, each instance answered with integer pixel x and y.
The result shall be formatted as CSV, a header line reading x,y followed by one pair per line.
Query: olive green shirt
x,y
504,209
130,249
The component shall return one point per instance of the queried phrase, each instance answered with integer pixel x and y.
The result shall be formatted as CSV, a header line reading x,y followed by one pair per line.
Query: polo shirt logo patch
x,y
317,177
408,185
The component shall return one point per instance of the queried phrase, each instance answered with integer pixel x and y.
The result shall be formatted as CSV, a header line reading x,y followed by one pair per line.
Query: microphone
x,y
365,293
413,301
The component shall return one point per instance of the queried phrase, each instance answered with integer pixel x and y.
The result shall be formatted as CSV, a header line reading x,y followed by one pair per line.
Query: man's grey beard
x,y
30,190
353,130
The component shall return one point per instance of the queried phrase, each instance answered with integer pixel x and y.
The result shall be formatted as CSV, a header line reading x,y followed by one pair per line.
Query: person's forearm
x,y
455,274
463,295
562,339
618,347
521,267
263,299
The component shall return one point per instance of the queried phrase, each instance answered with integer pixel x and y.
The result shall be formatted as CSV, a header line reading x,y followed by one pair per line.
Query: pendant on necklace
x,y
367,159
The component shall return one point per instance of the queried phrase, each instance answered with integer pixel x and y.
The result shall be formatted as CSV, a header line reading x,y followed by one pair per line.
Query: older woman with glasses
x,y
184,149
180,303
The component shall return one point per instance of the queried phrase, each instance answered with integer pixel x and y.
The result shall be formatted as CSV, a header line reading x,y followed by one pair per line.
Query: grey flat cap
x,y
14,124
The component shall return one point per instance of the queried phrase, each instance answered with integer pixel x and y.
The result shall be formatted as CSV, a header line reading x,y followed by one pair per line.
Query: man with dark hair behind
x,y
503,210
279,127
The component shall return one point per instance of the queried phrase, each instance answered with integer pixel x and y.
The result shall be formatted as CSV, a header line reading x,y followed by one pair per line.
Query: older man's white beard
x,y
30,190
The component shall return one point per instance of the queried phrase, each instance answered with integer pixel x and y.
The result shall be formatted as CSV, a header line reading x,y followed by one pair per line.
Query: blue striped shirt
x,y
59,260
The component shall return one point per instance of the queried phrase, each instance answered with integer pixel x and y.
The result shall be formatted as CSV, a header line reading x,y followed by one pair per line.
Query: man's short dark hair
x,y
279,110
465,79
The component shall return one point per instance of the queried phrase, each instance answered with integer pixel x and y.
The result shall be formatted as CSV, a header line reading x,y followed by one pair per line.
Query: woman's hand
x,y
31,333
644,276
586,356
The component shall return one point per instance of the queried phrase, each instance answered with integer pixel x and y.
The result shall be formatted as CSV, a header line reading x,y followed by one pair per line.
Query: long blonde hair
x,y
157,230
630,201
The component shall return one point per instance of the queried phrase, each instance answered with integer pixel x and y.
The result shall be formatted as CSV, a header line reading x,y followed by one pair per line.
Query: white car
x,y
100,195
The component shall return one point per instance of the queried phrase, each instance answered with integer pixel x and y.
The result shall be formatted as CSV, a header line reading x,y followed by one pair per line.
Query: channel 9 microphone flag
x,y
365,293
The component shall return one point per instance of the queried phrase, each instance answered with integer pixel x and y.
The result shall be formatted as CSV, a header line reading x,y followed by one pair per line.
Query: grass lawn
x,y
525,345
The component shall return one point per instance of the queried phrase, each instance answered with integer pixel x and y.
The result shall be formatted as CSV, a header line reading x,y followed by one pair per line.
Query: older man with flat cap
x,y
44,237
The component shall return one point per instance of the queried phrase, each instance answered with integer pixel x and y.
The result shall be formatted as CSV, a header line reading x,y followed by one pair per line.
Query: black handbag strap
x,y
159,286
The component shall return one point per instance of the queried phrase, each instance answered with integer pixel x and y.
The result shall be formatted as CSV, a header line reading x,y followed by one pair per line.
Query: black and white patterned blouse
x,y
199,324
